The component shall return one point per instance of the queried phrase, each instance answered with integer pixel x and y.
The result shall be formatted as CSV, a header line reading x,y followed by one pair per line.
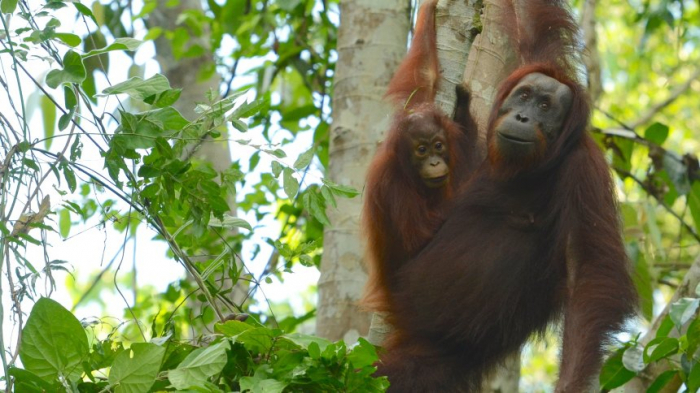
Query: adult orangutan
x,y
534,237
419,166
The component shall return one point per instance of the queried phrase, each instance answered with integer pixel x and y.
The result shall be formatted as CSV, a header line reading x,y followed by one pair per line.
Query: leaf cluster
x,y
57,356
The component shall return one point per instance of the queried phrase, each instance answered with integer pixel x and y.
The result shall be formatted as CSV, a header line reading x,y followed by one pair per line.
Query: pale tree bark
x,y
490,60
371,43
184,73
591,57
458,22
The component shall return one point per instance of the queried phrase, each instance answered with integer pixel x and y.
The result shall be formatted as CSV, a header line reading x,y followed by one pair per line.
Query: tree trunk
x,y
591,56
371,43
490,60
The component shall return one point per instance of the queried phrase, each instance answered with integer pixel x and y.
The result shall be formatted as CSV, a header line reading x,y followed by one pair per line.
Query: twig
x,y
189,266
651,192
677,92
97,278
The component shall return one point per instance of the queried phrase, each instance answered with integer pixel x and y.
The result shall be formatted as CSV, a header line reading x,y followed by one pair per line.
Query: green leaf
x,y
344,191
249,109
26,381
363,354
85,11
622,154
633,359
164,148
314,351
70,178
313,203
30,164
126,44
148,171
668,346
305,340
142,130
304,159
53,342
69,39
656,133
165,99
8,6
48,110
153,33
683,310
693,381
614,374
140,89
64,120
661,381
328,196
665,327
199,365
254,160
279,153
306,260
99,12
694,203
64,223
257,340
239,125
134,370
69,98
229,222
257,383
73,71
232,328
276,169
28,238
677,172
291,185
289,5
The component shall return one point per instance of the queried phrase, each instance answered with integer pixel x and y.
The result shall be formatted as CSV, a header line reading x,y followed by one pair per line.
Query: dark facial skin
x,y
429,154
532,116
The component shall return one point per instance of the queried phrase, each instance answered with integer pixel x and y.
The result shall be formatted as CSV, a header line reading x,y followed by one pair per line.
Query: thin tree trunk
x,y
371,43
591,56
490,60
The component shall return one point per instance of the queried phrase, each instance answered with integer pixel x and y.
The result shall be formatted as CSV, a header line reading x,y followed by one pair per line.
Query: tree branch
x,y
660,200
677,92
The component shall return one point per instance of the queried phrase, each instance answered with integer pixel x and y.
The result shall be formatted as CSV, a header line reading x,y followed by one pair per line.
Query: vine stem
x,y
191,269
